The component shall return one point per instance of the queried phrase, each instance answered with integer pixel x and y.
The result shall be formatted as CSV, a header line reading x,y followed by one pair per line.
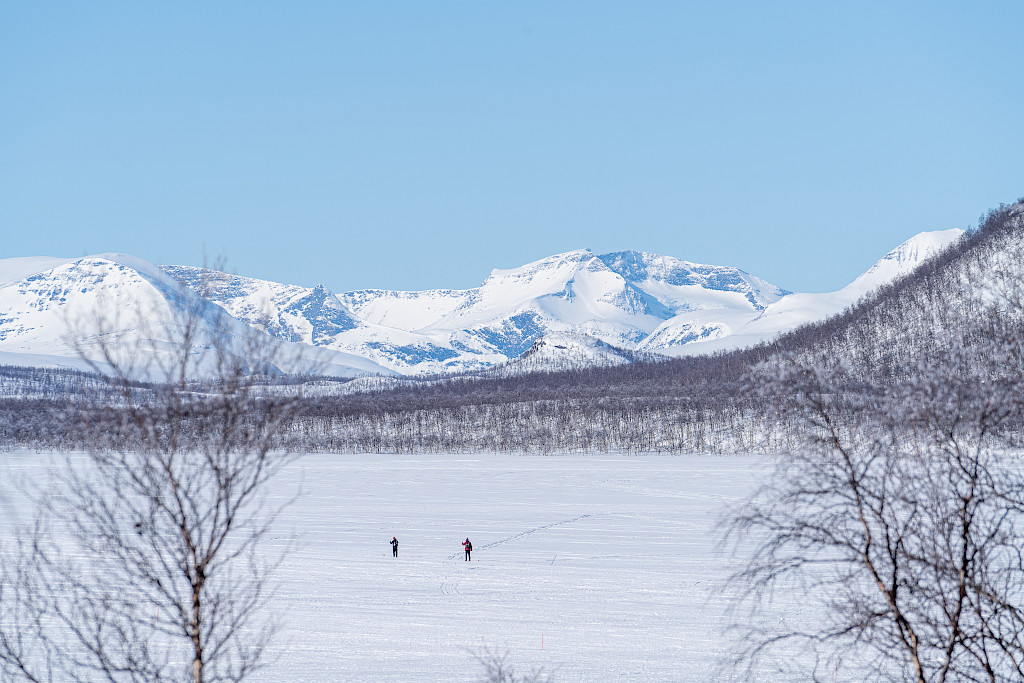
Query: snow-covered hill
x,y
577,307
566,351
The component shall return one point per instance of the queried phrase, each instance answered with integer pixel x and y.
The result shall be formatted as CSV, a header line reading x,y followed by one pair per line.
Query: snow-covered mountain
x,y
572,307
798,309
64,312
618,299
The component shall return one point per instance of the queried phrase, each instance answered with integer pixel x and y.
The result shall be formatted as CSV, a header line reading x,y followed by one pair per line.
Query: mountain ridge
x,y
633,301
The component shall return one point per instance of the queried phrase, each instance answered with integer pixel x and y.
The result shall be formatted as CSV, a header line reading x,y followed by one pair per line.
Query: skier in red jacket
x,y
469,548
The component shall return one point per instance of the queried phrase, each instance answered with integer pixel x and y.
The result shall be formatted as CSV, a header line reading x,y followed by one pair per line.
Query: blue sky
x,y
413,145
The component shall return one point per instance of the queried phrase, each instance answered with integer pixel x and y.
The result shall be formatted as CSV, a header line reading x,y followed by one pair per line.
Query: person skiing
x,y
469,548
394,545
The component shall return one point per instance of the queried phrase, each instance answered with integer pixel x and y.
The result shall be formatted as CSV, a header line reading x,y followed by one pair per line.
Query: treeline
x,y
685,405
564,426
38,406
28,382
56,409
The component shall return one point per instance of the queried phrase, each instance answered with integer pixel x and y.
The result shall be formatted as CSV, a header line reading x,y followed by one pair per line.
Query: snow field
x,y
611,560
596,568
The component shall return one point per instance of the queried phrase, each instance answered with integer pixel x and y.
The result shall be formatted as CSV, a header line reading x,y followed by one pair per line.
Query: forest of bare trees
x,y
899,517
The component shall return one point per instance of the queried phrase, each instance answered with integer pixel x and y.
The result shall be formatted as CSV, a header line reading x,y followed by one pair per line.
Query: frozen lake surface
x,y
597,568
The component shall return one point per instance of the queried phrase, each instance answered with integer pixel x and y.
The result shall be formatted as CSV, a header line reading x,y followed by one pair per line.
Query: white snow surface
x,y
597,568
40,360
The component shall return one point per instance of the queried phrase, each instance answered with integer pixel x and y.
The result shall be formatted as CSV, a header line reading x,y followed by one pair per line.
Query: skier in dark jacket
x,y
394,545
469,548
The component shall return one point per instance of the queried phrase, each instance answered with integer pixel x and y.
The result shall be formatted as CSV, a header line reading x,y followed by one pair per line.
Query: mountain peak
x,y
568,258
904,258
923,245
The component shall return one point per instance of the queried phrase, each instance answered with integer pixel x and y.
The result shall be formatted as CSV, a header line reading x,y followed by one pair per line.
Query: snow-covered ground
x,y
597,568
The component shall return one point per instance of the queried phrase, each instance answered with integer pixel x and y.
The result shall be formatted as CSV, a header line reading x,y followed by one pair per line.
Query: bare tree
x,y
146,563
899,521
497,669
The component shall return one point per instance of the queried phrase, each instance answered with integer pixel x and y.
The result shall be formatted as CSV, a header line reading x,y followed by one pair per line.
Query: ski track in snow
x,y
521,534
450,584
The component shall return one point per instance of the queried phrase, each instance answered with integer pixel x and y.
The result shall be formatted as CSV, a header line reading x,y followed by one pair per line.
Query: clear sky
x,y
416,145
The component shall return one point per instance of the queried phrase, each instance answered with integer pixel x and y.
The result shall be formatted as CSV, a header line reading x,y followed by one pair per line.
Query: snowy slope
x,y
318,317
409,311
41,308
567,292
14,269
619,299
901,261
566,351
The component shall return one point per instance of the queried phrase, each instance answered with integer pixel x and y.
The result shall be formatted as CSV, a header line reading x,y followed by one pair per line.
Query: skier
x,y
394,545
469,548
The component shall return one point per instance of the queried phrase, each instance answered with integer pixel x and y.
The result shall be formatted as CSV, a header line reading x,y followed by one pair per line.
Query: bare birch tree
x,y
147,561
899,521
